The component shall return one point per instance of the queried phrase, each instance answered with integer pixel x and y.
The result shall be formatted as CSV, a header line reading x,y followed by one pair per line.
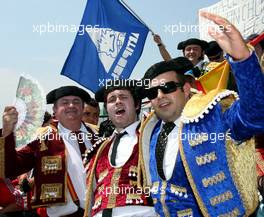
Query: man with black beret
x,y
113,172
193,49
214,52
198,155
56,156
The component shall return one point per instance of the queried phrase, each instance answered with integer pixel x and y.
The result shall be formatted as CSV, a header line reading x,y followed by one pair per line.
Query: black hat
x,y
180,65
54,95
116,84
182,45
213,49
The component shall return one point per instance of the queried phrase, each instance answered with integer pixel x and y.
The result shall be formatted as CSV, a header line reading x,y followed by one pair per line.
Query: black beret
x,y
182,45
117,84
54,95
213,49
180,65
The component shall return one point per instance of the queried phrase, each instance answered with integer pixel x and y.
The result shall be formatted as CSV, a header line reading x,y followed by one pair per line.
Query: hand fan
x,y
30,104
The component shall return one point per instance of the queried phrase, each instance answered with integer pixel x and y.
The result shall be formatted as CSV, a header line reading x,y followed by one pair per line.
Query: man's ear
x,y
187,90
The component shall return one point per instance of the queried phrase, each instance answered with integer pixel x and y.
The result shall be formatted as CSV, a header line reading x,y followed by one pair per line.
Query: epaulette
x,y
94,147
201,104
43,132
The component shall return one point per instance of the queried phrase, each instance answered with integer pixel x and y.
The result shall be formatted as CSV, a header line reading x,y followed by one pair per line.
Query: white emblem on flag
x,y
108,44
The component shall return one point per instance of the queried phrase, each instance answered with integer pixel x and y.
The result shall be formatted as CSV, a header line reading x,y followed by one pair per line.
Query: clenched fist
x,y
10,117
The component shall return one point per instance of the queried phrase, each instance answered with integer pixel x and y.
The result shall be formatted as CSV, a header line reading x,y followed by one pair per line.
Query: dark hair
x,y
47,117
179,65
134,93
106,128
93,103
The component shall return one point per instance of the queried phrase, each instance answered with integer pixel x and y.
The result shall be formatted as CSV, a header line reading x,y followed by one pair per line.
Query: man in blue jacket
x,y
197,153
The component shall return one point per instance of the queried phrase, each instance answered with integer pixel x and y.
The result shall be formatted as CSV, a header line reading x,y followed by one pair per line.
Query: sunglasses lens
x,y
169,87
166,88
152,93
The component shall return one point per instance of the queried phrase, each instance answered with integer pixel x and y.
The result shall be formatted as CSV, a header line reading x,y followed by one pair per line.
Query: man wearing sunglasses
x,y
197,154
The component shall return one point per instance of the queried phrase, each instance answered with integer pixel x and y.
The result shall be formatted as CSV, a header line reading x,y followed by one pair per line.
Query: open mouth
x,y
120,111
164,105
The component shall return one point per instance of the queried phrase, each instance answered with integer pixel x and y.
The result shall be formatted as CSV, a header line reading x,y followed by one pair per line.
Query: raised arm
x,y
163,51
246,116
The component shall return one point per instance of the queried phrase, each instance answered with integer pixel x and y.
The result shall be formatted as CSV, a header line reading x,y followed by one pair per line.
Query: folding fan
x,y
30,104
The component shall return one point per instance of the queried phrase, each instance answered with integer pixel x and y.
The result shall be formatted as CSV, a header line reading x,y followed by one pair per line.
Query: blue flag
x,y
108,45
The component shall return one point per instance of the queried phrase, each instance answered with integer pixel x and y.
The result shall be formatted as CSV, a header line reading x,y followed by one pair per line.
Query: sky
x,y
24,50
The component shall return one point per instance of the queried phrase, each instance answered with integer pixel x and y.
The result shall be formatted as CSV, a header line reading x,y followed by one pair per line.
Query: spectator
x,y
91,112
194,50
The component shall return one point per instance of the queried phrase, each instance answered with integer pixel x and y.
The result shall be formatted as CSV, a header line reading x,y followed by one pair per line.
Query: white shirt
x,y
126,144
75,170
124,151
171,150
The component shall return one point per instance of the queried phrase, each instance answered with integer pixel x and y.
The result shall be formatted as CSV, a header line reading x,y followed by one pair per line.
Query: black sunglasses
x,y
166,88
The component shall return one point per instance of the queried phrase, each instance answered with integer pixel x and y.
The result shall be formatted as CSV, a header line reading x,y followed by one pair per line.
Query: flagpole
x,y
134,13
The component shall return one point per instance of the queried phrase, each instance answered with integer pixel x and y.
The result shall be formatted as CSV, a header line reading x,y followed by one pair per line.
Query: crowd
x,y
194,155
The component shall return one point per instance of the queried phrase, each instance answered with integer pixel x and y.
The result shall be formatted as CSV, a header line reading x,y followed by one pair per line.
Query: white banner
x,y
246,15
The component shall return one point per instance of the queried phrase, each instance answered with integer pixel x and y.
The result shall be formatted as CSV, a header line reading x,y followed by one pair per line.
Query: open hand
x,y
227,36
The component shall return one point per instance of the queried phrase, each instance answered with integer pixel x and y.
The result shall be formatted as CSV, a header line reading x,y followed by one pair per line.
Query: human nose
x,y
160,94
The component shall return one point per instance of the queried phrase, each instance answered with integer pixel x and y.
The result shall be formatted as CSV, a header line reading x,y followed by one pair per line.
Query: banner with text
x,y
246,15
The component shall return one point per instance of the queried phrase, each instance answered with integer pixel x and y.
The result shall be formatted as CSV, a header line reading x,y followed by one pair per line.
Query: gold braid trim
x,y
242,166
2,157
162,199
90,179
114,184
141,165
190,178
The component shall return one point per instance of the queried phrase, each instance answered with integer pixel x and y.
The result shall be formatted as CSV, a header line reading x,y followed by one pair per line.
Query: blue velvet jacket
x,y
215,172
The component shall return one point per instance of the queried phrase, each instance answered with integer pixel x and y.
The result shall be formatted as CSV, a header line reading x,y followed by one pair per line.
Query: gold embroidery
x,y
102,175
101,189
200,104
51,164
50,192
233,213
114,185
199,139
179,191
205,159
133,183
155,200
2,157
132,171
219,177
155,188
130,198
190,178
90,178
162,199
186,212
97,202
242,165
221,198
43,146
